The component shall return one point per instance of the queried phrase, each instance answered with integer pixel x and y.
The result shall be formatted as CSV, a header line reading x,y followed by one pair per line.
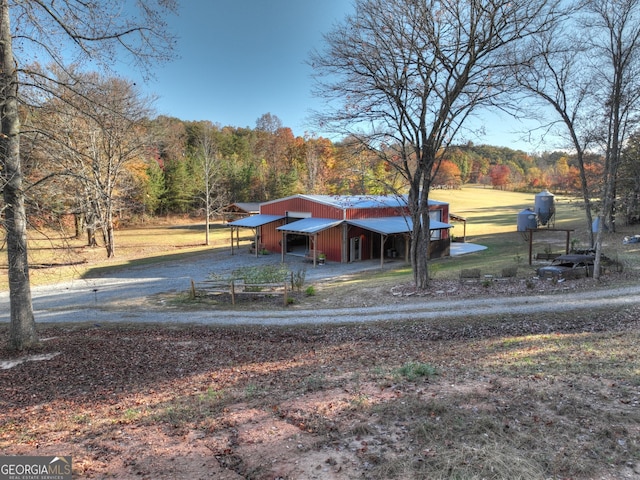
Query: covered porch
x,y
254,222
388,227
308,228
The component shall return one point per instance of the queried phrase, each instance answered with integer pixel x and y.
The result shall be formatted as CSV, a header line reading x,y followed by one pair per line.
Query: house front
x,y
344,228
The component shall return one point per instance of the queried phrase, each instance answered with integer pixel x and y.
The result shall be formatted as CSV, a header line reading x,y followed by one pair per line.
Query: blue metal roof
x,y
394,225
359,201
309,225
255,220
384,225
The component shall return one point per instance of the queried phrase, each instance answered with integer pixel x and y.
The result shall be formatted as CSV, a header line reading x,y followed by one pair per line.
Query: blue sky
x,y
240,59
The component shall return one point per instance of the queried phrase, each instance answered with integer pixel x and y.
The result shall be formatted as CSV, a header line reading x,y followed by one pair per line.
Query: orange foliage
x,y
448,175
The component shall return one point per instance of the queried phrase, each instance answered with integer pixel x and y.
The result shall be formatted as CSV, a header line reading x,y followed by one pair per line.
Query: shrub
x,y
509,272
298,278
411,371
261,274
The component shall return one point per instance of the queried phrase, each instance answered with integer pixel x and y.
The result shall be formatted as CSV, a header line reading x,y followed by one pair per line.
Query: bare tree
x,y
59,32
22,332
558,74
630,180
614,36
91,137
407,74
213,197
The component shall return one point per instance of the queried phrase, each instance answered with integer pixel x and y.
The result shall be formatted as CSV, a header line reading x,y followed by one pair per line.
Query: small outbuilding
x,y
237,210
343,228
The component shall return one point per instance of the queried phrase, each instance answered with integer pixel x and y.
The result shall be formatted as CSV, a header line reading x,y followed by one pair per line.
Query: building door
x,y
355,249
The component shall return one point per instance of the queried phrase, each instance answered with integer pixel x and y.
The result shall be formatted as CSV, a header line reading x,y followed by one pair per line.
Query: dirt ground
x,y
520,396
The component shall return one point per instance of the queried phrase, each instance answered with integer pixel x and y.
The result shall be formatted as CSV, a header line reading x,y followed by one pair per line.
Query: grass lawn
x,y
56,257
497,397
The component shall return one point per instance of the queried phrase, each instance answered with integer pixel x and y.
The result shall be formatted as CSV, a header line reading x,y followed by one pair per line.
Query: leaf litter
x,y
510,396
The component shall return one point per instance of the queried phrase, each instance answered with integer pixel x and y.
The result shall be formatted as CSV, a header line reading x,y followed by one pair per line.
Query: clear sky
x,y
240,59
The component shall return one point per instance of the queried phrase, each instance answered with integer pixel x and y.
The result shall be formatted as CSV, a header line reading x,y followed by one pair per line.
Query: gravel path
x,y
119,297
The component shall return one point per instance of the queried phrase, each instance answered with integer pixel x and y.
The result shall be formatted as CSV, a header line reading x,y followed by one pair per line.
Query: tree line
x,y
108,166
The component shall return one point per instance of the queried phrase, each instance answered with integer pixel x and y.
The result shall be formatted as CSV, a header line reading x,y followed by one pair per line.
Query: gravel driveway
x,y
119,296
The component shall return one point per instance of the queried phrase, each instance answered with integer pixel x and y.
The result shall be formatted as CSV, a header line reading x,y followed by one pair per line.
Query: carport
x,y
309,227
387,226
254,222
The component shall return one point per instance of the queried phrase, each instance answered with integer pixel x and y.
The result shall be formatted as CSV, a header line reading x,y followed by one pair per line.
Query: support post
x,y
407,248
530,246
315,248
256,240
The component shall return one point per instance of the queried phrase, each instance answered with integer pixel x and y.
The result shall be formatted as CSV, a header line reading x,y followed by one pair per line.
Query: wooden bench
x,y
470,275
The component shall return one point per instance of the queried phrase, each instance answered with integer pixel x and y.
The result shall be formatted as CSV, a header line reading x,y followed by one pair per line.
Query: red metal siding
x,y
317,210
270,237
445,213
360,213
330,241
445,219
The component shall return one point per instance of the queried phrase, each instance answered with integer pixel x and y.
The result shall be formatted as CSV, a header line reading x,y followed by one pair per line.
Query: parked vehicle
x,y
568,266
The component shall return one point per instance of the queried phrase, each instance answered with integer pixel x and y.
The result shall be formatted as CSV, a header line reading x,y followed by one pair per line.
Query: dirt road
x,y
121,297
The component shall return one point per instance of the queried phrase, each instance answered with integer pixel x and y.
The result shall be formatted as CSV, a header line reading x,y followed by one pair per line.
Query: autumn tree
x,y
208,162
59,33
407,74
318,157
278,158
93,137
499,175
448,175
463,159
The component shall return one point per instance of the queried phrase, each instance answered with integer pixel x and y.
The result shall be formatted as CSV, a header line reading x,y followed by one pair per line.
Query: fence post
x,y
285,294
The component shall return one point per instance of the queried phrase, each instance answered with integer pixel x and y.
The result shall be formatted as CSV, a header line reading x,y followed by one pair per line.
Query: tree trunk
x,y
109,241
419,258
22,329
419,207
108,235
79,224
206,226
91,237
